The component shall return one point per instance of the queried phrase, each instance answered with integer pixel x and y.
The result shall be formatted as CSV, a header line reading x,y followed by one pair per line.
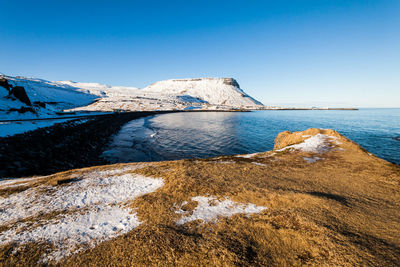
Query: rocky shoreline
x,y
61,147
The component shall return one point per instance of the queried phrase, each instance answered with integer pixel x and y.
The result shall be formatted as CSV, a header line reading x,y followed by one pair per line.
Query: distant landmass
x,y
22,97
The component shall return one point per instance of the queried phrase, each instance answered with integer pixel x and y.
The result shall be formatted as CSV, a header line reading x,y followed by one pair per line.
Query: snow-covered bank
x,y
12,128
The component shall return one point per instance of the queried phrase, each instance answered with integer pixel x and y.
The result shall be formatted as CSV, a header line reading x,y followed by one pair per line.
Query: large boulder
x,y
20,93
4,83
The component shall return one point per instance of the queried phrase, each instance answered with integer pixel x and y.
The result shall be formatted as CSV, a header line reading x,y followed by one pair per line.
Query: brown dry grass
x,y
340,211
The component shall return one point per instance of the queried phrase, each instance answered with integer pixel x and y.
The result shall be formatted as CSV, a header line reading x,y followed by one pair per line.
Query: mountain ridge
x,y
42,98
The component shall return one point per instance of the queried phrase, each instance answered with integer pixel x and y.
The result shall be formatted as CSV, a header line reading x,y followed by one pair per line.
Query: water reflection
x,y
189,135
176,136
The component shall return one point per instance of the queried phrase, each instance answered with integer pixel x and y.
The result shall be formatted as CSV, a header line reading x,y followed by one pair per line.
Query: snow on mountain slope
x,y
202,93
47,91
102,90
216,91
38,98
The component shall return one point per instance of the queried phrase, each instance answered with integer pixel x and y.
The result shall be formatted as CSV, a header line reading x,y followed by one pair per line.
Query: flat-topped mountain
x,y
216,91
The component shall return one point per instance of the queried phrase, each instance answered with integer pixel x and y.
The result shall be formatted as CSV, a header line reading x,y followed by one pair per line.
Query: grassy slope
x,y
343,210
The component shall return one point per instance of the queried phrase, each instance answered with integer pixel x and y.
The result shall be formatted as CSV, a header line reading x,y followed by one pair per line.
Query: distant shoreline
x,y
159,112
309,109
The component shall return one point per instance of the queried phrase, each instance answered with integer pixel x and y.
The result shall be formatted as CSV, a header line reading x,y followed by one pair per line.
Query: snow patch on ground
x,y
14,185
318,143
226,161
247,156
312,160
13,181
122,170
72,233
92,210
269,155
259,164
210,208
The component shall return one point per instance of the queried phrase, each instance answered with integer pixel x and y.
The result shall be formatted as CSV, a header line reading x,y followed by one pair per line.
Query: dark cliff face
x,y
231,81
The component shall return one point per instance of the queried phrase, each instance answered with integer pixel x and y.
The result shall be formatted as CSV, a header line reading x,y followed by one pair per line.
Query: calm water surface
x,y
208,134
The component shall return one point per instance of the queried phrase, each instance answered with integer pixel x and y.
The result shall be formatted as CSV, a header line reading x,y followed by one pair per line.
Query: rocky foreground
x,y
316,199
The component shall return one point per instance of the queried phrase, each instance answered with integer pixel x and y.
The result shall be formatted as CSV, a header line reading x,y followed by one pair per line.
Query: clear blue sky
x,y
326,53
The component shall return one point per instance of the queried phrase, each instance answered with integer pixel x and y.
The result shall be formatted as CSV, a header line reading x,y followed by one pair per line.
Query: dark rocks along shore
x,y
61,147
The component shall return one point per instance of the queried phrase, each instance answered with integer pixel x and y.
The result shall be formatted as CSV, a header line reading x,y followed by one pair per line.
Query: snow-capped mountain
x,y
182,94
23,98
215,91
101,90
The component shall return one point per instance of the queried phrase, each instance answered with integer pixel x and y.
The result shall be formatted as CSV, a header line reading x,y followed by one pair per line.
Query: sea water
x,y
207,134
